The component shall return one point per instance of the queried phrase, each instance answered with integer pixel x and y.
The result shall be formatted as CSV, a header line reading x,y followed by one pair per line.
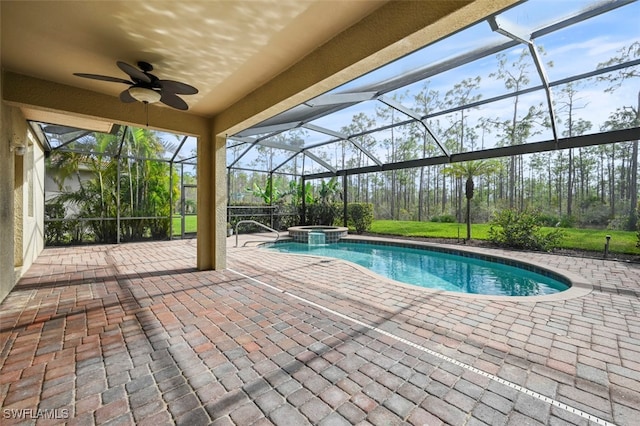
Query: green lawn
x,y
190,225
580,239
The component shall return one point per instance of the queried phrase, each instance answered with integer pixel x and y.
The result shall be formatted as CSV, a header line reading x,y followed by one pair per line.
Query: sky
x,y
567,52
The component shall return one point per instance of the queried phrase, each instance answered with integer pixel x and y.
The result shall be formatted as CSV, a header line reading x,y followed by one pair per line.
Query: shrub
x,y
323,213
360,216
567,221
547,219
521,230
618,223
55,232
445,218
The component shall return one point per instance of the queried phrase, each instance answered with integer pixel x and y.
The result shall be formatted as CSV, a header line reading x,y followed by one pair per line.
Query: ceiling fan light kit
x,y
144,95
146,87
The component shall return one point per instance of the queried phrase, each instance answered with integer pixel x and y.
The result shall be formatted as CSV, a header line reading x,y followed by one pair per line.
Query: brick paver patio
x,y
134,334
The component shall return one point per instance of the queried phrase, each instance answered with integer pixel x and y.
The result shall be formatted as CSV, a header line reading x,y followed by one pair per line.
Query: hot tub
x,y
300,234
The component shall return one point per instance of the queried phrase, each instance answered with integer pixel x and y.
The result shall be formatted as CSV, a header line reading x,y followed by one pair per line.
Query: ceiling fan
x,y
146,87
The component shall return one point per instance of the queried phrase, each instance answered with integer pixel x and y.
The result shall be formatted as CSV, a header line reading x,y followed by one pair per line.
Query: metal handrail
x,y
255,223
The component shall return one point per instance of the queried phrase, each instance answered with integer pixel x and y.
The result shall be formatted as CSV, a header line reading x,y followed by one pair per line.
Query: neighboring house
x,y
71,184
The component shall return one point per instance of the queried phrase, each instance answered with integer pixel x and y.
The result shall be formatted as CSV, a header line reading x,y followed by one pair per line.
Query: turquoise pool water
x,y
432,269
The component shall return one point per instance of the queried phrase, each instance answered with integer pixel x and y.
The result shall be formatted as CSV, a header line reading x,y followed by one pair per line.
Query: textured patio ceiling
x,y
228,49
224,48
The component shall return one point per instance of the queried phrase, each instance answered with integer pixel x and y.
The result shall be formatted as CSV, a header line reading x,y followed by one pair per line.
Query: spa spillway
x,y
300,234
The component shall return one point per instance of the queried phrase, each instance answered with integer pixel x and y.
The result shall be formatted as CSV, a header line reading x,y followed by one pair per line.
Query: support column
x,y
212,200
344,200
7,226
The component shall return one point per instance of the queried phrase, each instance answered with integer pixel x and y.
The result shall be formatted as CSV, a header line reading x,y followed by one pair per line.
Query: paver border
x,y
578,285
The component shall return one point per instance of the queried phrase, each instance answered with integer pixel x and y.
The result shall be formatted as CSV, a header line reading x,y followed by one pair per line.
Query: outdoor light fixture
x,y
19,150
17,146
145,95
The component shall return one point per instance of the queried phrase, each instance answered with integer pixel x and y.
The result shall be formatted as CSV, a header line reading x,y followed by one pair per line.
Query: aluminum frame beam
x,y
614,136
341,136
399,107
320,161
341,98
507,29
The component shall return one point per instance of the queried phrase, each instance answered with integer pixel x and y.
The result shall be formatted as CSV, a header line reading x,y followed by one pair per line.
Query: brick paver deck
x,y
134,334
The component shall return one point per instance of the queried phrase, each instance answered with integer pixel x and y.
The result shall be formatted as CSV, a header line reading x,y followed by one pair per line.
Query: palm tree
x,y
469,170
146,189
328,194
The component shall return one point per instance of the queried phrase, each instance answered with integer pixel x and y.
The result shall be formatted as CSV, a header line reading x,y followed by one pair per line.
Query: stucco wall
x,y
33,204
7,279
21,198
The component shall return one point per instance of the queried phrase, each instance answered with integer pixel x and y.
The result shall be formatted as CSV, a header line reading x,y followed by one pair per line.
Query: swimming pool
x,y
435,269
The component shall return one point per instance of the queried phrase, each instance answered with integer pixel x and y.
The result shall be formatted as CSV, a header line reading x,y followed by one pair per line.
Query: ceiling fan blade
x,y
133,72
173,101
103,78
177,87
126,97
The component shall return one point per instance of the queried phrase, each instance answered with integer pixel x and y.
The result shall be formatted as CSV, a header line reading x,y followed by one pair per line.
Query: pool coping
x,y
578,285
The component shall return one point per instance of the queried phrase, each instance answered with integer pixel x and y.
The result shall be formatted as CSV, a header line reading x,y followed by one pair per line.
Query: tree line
x,y
592,186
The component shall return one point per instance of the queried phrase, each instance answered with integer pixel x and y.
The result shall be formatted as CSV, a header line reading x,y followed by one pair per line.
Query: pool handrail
x,y
255,223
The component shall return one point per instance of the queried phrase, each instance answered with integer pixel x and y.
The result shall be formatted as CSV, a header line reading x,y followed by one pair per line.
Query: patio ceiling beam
x,y
399,107
34,93
614,136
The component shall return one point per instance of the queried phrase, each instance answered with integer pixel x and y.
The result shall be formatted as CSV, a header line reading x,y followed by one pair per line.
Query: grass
x,y
594,240
575,239
623,242
190,225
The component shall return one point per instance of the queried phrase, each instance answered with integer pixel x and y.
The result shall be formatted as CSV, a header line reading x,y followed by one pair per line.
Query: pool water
x,y
433,269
